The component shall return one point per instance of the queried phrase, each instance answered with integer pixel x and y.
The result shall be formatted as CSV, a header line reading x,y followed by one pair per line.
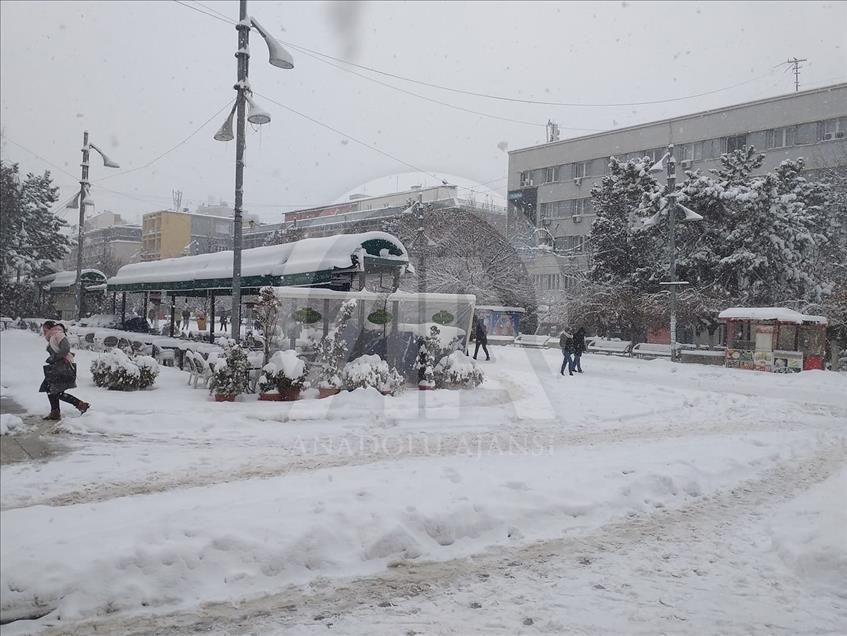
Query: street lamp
x,y
278,57
672,208
82,200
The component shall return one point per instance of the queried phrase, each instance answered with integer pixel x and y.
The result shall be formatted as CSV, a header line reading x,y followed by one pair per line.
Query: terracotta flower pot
x,y
270,397
224,398
327,392
289,395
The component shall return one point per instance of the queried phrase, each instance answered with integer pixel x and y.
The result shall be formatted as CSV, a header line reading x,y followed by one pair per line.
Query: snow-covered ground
x,y
639,497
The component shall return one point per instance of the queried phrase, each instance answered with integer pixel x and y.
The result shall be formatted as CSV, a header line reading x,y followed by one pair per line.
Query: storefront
x,y
773,339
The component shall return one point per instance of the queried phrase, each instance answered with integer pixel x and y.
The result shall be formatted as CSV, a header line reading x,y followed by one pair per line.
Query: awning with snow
x,y
780,314
306,263
67,279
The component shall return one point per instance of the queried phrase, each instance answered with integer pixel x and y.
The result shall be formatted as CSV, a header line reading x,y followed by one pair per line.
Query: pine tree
x,y
30,238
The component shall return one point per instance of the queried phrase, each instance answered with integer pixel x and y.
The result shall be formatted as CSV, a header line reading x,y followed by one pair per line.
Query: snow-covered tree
x,y
332,348
623,253
30,238
266,311
765,239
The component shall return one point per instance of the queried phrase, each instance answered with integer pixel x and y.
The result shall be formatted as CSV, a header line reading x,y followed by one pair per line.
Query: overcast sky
x,y
143,76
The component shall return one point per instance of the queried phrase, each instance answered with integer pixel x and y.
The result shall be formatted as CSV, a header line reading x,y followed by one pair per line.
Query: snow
x,y
68,278
307,255
781,314
287,362
10,424
607,502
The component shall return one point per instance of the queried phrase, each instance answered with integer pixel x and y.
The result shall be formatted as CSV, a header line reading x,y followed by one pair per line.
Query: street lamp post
x,y
82,200
672,208
278,56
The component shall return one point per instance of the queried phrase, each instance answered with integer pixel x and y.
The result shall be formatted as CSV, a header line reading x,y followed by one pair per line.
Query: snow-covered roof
x,y
782,314
519,310
68,278
274,264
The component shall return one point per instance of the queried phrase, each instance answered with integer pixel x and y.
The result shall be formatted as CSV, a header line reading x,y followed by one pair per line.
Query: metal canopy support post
x,y
173,313
123,308
146,295
114,303
212,321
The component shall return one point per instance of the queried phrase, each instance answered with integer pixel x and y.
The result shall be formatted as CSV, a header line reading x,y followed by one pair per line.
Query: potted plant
x,y
332,352
427,355
457,371
117,371
230,377
371,371
286,374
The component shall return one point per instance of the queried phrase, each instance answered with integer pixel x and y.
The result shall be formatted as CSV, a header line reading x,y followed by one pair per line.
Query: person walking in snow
x,y
223,319
60,370
186,316
481,337
566,345
578,349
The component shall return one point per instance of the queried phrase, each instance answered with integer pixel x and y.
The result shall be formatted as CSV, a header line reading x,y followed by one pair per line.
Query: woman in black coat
x,y
60,371
481,337
578,349
567,347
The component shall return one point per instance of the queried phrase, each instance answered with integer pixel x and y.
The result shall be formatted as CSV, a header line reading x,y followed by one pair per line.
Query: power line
x,y
208,8
488,95
167,152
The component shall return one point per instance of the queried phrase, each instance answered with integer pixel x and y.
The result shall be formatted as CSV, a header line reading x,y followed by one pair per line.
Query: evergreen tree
x,y
30,238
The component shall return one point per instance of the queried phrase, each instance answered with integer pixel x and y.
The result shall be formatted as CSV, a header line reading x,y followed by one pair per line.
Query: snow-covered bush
x,y
115,370
11,424
283,372
266,312
230,376
428,353
371,371
457,371
332,349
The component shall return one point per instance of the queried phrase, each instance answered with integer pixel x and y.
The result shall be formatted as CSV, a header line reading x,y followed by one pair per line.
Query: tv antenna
x,y
177,197
795,63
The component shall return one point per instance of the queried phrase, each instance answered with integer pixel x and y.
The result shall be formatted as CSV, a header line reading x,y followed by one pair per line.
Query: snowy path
x,y
700,569
639,497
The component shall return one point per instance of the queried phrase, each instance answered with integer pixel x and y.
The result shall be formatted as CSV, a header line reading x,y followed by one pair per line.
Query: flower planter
x,y
386,392
328,392
289,395
270,397
426,387
224,398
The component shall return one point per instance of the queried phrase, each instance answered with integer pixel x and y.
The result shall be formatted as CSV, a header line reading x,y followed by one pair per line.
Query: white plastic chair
x,y
188,363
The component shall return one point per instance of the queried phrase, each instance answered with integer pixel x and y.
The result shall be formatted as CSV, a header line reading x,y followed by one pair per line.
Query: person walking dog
x,y
60,371
566,345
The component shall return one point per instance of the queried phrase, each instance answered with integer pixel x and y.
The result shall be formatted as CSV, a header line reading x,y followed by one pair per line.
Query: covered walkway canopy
x,y
332,262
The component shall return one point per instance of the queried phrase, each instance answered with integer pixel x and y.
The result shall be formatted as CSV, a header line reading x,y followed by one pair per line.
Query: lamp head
x,y
225,131
690,215
256,114
277,55
106,161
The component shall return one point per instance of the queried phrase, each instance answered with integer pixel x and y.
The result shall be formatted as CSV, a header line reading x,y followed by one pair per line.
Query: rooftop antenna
x,y
794,62
177,197
552,131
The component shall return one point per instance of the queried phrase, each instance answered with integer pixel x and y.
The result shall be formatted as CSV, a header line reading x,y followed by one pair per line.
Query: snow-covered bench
x,y
703,356
614,347
531,340
650,350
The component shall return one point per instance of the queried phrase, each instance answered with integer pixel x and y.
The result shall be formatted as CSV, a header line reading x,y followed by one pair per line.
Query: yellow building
x,y
168,234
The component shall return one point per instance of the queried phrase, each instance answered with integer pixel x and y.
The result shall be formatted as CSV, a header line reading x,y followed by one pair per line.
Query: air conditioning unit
x,y
577,218
686,163
577,180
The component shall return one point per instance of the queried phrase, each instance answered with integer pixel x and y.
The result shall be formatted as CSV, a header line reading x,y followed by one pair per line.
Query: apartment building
x,y
169,234
550,184
108,242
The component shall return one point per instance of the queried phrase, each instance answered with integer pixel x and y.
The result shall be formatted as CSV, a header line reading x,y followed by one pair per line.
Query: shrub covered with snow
x,y
332,349
371,371
10,424
428,353
284,371
230,376
457,371
115,370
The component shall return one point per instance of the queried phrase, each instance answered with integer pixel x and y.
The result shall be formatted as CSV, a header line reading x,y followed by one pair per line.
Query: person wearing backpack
x,y
566,344
578,349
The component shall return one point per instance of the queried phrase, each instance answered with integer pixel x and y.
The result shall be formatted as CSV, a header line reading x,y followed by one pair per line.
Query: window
x,y
581,206
709,149
684,152
526,178
832,129
736,142
599,166
552,174
779,137
806,134
580,169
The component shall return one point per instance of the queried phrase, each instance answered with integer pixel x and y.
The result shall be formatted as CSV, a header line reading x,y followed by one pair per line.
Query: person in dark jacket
x,y
567,347
481,337
578,349
60,371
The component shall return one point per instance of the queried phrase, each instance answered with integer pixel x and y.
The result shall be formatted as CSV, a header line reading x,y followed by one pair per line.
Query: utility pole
x,y
672,243
83,190
243,57
796,64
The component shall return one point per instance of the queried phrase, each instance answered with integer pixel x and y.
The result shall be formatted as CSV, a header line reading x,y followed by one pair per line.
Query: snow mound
x,y
810,533
10,424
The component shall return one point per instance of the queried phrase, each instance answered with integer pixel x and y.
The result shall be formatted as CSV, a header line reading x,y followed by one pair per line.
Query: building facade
x,y
108,243
168,234
550,184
